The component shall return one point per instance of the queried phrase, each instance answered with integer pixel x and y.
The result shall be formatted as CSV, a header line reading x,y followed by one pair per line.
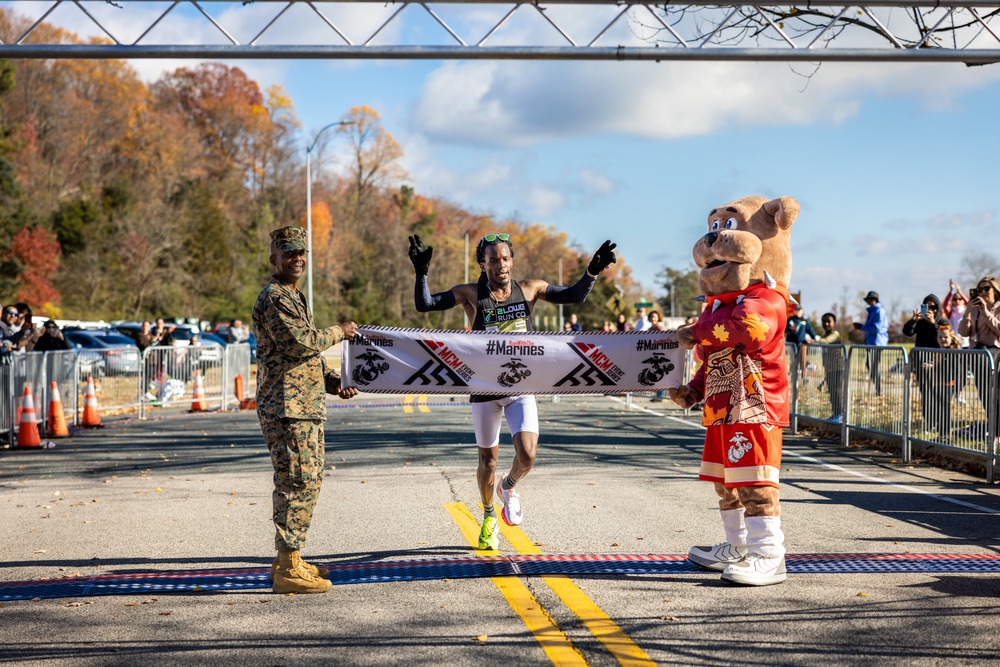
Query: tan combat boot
x,y
314,570
291,576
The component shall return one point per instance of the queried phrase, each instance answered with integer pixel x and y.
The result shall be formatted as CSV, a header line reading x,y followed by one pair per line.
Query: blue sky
x,y
895,165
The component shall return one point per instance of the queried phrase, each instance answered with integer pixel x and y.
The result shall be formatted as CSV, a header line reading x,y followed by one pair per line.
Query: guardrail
x,y
128,383
944,398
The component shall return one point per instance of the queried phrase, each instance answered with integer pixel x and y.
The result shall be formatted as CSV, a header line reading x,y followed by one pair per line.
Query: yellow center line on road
x,y
606,631
554,642
422,404
408,404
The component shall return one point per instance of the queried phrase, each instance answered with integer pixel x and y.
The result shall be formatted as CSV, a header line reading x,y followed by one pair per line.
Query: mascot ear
x,y
784,210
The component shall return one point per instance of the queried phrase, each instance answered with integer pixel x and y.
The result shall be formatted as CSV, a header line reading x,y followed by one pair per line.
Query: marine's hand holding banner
x,y
387,360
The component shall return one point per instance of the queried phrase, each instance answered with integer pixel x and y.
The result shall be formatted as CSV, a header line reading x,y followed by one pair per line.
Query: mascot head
x,y
748,242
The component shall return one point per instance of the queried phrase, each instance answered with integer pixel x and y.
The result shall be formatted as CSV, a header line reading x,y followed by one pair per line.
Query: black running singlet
x,y
507,316
511,314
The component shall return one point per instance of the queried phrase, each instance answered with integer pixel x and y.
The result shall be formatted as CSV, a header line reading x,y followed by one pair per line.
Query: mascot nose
x,y
711,238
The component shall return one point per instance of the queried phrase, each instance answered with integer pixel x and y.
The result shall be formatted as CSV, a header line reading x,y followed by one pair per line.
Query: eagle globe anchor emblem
x,y
375,364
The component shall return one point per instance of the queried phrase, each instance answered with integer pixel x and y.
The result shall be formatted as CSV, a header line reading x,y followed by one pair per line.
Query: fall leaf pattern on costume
x,y
741,336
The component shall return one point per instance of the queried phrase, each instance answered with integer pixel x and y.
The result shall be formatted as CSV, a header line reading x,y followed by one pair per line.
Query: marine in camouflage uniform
x,y
292,383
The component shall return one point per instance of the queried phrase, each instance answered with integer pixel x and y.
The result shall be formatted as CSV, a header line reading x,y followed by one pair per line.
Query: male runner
x,y
482,302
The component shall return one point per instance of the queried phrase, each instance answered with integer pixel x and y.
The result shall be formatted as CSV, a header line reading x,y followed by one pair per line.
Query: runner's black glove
x,y
420,255
603,258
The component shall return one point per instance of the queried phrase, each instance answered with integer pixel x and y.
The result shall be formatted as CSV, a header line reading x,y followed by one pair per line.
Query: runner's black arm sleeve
x,y
576,294
426,302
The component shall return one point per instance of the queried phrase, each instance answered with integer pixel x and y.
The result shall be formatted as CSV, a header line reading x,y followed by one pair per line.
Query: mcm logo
x,y
374,365
516,371
741,445
660,367
595,369
443,368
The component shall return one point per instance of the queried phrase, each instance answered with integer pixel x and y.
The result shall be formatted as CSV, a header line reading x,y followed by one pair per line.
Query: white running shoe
x,y
717,556
756,570
512,513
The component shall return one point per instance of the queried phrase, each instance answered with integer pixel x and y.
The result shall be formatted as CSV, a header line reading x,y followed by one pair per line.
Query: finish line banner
x,y
395,361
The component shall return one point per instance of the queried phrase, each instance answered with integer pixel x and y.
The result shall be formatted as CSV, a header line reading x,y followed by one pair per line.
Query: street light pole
x,y
466,314
309,211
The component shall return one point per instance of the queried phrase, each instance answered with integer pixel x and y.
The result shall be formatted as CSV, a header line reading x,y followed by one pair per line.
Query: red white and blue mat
x,y
197,581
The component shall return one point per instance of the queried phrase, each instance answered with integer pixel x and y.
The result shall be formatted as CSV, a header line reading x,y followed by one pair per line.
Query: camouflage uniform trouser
x,y
297,451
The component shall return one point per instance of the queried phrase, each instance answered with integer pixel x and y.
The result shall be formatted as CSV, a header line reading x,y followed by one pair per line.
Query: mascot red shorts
x,y
742,455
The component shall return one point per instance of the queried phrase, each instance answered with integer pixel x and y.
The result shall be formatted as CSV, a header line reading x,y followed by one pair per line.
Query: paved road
x,y
192,493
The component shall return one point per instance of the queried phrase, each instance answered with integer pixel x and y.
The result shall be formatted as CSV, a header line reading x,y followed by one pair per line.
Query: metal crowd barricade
x,y
61,368
237,362
792,363
7,401
821,390
168,376
116,374
878,392
954,400
29,371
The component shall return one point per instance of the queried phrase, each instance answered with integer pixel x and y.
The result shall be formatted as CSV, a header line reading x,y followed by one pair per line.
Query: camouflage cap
x,y
289,238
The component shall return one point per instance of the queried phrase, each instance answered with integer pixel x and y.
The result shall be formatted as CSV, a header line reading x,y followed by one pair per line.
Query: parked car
x,y
102,351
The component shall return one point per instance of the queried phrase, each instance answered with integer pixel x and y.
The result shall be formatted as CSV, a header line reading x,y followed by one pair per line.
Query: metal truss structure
x,y
963,31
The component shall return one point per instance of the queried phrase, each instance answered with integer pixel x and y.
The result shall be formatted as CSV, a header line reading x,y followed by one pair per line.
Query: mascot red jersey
x,y
745,261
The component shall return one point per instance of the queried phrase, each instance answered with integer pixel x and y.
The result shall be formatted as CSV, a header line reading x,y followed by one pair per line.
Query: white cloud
x,y
523,103
544,202
597,183
866,245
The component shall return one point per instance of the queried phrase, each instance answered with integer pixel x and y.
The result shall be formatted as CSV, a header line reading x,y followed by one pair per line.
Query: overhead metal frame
x,y
937,31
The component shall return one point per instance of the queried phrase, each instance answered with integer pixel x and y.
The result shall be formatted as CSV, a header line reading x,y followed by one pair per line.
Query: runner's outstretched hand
x,y
603,258
420,255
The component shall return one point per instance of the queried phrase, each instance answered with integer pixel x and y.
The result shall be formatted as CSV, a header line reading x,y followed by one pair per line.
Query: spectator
x,y
876,328
238,332
798,330
7,320
947,375
654,321
622,324
641,321
833,365
574,324
567,327
162,336
27,334
51,339
953,307
924,324
145,337
981,323
608,327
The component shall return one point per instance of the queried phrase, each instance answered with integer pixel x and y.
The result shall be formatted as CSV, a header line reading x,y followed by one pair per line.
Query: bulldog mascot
x,y
746,262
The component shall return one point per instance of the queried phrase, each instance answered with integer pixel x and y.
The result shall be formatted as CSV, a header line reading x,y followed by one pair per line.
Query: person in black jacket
x,y
924,327
52,339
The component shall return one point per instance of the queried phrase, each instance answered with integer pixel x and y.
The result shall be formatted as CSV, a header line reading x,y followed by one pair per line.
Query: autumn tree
x,y
681,288
36,252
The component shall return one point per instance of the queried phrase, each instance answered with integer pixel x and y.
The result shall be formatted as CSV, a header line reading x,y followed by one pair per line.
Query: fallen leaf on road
x,y
862,594
482,638
615,544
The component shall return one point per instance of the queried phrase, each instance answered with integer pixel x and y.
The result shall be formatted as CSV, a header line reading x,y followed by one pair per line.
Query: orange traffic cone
x,y
239,388
27,435
57,418
198,404
91,417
